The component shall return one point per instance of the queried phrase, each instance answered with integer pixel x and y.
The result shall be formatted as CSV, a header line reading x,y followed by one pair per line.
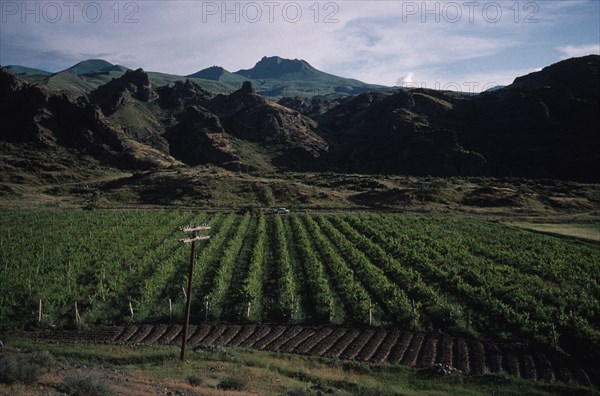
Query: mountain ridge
x,y
529,129
272,76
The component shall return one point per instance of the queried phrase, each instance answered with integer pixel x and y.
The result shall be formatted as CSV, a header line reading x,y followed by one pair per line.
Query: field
x,y
583,231
392,275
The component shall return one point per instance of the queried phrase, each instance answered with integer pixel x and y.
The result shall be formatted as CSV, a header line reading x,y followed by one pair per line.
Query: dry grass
x,y
584,231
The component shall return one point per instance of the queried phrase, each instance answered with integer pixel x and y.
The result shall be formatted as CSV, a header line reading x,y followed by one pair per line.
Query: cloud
x,y
573,51
369,40
406,80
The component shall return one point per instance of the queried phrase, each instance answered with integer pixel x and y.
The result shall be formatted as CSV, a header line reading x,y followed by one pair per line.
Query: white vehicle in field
x,y
281,211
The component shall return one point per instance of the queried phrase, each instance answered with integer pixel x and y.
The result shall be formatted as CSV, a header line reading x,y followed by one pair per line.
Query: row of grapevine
x,y
354,297
68,257
318,293
227,260
280,290
208,263
235,304
253,287
389,296
438,312
140,273
507,300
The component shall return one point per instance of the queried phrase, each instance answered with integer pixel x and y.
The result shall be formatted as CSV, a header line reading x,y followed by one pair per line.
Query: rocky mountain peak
x,y
134,84
272,67
247,88
183,94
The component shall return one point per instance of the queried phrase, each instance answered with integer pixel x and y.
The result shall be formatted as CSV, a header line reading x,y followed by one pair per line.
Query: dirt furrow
x,y
289,333
242,336
228,335
371,347
292,344
461,355
528,370
141,334
190,332
170,334
469,355
199,335
311,342
426,357
358,344
129,331
385,347
399,350
275,333
544,367
261,331
156,333
338,348
444,350
213,335
326,343
476,357
493,357
412,352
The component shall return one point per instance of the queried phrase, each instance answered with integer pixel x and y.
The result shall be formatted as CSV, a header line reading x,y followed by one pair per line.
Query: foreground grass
x,y
146,369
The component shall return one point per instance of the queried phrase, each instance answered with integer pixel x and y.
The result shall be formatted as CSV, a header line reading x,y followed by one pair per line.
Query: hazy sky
x,y
431,43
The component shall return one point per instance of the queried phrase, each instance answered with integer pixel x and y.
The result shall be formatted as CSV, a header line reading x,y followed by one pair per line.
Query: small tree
x,y
265,196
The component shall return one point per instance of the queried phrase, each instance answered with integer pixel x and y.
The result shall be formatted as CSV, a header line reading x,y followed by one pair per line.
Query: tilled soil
x,y
469,355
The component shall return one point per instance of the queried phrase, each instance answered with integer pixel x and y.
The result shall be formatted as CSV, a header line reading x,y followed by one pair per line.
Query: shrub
x,y
194,381
232,383
90,385
24,368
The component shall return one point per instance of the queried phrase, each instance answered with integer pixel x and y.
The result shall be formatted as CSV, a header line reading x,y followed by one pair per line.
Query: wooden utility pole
x,y
188,305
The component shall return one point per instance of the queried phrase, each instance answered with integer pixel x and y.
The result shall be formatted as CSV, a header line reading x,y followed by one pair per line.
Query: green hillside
x,y
23,71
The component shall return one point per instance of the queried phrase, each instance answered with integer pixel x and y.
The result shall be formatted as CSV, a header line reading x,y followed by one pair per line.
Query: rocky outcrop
x,y
311,108
286,132
121,91
198,138
56,120
545,125
391,133
181,95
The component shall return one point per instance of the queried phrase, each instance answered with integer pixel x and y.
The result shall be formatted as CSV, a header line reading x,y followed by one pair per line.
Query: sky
x,y
456,45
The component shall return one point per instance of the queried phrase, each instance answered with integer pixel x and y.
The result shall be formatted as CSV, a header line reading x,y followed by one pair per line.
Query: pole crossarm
x,y
194,239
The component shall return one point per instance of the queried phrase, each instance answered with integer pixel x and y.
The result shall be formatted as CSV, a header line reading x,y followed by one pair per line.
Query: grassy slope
x,y
583,231
129,369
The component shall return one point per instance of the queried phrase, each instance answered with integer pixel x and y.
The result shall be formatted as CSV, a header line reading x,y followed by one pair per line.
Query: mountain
x,y
23,71
272,77
576,74
217,73
94,66
544,125
276,67
280,77
55,122
397,134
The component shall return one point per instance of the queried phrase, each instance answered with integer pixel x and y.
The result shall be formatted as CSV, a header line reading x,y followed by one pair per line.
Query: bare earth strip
x,y
469,355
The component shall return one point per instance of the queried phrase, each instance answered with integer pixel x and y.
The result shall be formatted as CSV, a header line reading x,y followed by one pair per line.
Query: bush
x,y
24,368
194,381
232,383
90,385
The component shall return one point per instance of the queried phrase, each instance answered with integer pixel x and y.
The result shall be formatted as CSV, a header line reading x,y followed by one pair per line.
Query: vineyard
x,y
389,272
